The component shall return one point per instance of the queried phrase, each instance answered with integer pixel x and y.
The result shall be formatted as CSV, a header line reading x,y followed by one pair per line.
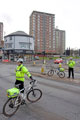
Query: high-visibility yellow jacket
x,y
21,71
71,64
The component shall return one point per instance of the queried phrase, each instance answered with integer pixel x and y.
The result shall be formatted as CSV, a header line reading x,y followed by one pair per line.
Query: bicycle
x,y
60,72
14,101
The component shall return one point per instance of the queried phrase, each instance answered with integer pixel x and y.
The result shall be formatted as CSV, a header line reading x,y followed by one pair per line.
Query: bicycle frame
x,y
57,70
26,90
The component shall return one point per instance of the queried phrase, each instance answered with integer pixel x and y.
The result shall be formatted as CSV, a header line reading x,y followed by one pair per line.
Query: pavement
x,y
56,78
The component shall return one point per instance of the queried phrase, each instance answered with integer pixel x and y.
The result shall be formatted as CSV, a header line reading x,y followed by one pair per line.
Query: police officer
x,y
21,70
71,65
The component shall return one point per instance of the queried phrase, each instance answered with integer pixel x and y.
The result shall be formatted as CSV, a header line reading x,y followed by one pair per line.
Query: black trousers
x,y
71,70
21,85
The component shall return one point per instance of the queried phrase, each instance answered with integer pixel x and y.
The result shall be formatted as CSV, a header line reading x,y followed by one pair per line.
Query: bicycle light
x,y
7,94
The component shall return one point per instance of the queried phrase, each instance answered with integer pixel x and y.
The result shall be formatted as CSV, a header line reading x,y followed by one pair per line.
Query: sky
x,y
15,16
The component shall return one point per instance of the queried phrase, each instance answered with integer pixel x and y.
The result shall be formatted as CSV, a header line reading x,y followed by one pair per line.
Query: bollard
x,y
44,61
42,69
34,63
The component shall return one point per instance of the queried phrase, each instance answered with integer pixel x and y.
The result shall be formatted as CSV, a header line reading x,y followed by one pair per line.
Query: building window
x,y
8,45
5,40
24,45
10,37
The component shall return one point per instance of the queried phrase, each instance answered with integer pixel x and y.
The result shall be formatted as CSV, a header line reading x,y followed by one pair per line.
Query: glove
x,y
31,78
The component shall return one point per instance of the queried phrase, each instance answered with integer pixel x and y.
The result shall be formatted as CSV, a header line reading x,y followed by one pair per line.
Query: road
x,y
60,101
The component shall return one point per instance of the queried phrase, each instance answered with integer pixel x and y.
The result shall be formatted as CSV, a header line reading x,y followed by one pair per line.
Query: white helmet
x,y
20,60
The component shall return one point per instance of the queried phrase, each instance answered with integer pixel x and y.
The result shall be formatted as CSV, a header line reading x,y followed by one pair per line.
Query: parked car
x,y
5,60
36,57
57,61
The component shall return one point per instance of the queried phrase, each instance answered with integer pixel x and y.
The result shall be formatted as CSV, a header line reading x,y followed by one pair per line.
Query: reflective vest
x,y
71,63
21,71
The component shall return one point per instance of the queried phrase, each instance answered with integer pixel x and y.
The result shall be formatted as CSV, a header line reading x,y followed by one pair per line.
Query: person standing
x,y
71,65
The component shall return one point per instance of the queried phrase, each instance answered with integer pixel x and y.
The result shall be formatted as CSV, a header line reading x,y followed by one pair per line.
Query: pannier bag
x,y
13,92
61,69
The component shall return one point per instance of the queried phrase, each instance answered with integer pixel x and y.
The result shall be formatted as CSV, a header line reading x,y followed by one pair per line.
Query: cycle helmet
x,y
71,58
20,60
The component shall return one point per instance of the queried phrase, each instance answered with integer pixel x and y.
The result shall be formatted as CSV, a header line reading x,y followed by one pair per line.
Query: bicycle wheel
x,y
50,73
9,107
34,95
61,74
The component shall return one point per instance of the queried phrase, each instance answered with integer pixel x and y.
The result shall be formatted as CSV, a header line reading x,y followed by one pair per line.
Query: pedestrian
x,y
21,70
71,65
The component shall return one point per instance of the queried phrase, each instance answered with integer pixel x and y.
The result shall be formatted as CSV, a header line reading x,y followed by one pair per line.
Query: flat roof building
x,y
42,28
59,41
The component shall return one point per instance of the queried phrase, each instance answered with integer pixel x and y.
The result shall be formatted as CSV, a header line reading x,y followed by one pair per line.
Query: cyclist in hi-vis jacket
x,y
21,70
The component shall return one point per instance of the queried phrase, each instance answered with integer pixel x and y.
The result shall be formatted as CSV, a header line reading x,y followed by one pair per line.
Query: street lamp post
x,y
43,56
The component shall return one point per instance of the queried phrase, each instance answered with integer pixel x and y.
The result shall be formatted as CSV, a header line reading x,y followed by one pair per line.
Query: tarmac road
x,y
60,101
29,111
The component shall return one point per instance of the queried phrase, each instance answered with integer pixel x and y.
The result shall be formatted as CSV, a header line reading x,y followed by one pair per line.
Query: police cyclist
x,y
21,70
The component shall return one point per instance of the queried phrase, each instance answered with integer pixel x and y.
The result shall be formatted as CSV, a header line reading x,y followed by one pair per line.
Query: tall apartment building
x,y
42,28
1,33
60,41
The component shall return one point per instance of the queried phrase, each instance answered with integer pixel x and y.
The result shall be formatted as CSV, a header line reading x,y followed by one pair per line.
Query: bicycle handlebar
x,y
33,81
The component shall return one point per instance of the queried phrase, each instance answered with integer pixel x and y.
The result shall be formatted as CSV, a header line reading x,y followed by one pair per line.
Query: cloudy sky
x,y
15,16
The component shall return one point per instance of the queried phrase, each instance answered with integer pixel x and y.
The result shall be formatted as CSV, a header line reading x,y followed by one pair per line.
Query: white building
x,y
18,43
